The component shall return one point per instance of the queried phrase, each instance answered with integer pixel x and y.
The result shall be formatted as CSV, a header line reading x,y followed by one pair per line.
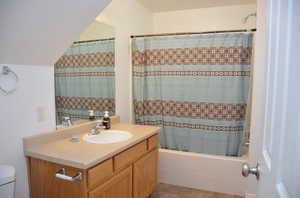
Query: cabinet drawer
x,y
131,154
153,142
100,173
119,186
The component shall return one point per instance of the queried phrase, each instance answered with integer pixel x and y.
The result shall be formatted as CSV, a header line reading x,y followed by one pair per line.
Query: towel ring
x,y
6,71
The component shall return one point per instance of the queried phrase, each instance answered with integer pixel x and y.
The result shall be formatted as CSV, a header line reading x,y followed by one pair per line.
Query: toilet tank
x,y
7,181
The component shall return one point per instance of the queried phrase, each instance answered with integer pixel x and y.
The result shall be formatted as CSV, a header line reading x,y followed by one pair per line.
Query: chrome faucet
x,y
67,121
98,127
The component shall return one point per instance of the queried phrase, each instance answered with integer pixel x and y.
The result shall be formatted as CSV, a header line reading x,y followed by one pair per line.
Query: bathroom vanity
x,y
60,168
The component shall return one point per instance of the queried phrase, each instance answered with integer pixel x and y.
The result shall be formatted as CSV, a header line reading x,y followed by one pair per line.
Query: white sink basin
x,y
108,137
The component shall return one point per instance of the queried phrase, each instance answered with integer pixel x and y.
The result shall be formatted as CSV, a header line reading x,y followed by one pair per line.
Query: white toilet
x,y
7,181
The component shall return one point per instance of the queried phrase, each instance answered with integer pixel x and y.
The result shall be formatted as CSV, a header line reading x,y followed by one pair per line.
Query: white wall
x,y
18,117
35,32
204,19
128,17
97,30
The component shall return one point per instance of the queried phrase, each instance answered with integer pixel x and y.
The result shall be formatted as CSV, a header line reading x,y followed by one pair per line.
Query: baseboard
x,y
249,195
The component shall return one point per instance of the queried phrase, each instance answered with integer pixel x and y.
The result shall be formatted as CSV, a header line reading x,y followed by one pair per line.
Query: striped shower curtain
x,y
84,80
195,87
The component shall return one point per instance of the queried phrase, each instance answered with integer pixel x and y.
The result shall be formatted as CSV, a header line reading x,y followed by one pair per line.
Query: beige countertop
x,y
56,146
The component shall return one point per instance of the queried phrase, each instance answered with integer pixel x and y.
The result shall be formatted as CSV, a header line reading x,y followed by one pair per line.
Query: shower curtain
x,y
195,87
84,80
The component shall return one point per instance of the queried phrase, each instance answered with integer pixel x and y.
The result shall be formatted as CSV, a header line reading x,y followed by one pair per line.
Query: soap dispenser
x,y
106,120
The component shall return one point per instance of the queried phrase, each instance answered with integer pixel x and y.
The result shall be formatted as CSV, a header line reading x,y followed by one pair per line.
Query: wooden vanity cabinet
x,y
145,175
129,174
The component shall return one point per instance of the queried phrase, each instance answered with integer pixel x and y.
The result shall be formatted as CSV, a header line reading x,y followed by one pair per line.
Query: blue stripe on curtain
x,y
84,80
195,87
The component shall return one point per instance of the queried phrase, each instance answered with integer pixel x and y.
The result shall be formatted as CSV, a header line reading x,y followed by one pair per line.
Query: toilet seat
x,y
7,174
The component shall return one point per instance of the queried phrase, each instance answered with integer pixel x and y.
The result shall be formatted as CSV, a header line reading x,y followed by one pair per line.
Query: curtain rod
x,y
88,41
185,33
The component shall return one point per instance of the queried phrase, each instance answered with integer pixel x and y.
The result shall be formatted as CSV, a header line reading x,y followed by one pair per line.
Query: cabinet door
x,y
145,175
44,184
119,186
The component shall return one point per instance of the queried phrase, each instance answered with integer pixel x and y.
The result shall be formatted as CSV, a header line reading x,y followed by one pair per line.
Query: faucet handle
x,y
67,121
66,118
92,132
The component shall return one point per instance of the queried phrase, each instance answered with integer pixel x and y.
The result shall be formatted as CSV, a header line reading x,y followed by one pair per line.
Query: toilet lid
x,y
7,174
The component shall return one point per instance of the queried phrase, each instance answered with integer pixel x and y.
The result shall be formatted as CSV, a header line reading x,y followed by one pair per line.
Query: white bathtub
x,y
201,171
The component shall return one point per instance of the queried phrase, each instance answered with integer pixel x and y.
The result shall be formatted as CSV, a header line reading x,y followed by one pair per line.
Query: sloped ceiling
x,y
37,32
173,5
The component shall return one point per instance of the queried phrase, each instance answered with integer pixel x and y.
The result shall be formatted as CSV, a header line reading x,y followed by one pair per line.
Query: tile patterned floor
x,y
171,191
